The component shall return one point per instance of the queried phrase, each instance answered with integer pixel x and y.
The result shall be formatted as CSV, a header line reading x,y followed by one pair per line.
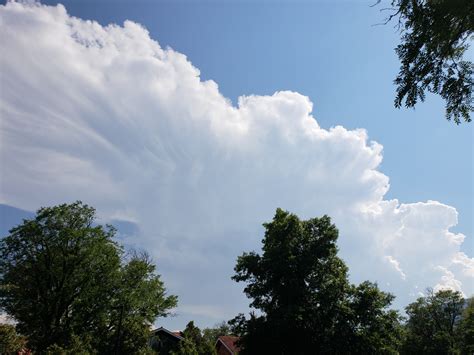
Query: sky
x,y
188,123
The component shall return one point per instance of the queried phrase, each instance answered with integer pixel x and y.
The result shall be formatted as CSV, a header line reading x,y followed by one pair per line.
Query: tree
x,y
194,342
466,329
306,304
374,329
432,323
435,35
238,325
66,281
10,341
212,334
139,300
185,347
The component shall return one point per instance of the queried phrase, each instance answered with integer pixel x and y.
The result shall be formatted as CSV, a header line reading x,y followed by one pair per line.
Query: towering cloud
x,y
105,115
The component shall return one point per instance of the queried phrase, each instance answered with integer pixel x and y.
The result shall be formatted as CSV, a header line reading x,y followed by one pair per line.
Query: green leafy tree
x,y
76,346
466,329
435,36
306,304
194,342
10,341
373,328
185,347
66,281
432,323
139,300
238,325
212,334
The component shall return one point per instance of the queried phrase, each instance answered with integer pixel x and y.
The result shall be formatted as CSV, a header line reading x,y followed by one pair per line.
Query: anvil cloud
x,y
107,116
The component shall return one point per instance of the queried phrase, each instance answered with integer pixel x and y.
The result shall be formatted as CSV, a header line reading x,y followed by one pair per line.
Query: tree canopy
x,y
435,36
10,341
194,342
306,305
212,334
439,323
466,328
65,280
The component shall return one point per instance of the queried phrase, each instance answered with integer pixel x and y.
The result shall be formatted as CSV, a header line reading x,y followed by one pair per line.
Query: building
x,y
227,345
164,341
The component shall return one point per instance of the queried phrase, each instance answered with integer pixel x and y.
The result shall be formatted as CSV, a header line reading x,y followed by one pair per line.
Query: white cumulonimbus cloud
x,y
107,116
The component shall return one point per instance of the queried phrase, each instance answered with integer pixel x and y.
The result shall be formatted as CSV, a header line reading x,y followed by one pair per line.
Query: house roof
x,y
176,334
230,342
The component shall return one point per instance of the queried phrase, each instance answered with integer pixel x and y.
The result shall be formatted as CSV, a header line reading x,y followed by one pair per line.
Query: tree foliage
x,y
212,334
67,282
435,35
194,342
306,305
436,324
466,328
10,341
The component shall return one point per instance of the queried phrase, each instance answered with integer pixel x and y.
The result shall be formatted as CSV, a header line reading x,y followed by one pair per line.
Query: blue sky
x,y
198,192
